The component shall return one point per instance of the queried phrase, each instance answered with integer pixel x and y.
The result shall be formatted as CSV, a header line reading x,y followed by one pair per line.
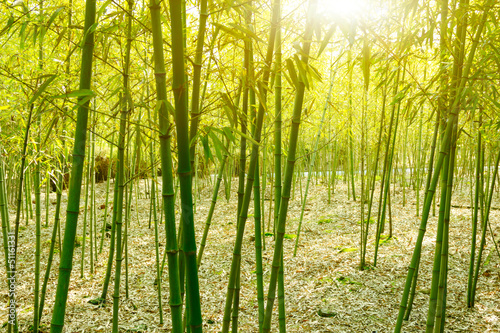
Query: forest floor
x,y
323,276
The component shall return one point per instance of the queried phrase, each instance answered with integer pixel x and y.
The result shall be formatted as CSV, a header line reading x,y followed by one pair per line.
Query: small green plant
x,y
346,249
384,239
325,279
346,280
368,267
324,221
290,236
372,221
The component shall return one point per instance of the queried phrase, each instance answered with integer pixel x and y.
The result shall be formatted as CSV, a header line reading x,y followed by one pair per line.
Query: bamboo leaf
x,y
58,40
327,38
302,71
230,31
229,114
22,34
216,144
206,148
248,137
52,124
291,72
7,27
246,31
102,9
53,17
42,88
229,134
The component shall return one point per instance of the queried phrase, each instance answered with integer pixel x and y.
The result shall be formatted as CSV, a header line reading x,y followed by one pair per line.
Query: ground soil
x,y
322,277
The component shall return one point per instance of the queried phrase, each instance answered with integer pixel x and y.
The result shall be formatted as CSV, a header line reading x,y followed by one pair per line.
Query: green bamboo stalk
x,y
47,194
435,319
380,224
76,173
257,207
166,166
364,194
128,204
484,229
93,230
264,181
426,192
403,168
294,133
55,228
29,206
106,201
13,271
445,144
155,219
443,270
212,207
419,164
281,297
258,249
197,65
126,105
375,171
235,263
119,210
277,196
350,130
112,244
27,199
248,65
258,213
313,157
479,168
84,233
184,166
6,236
334,167
38,226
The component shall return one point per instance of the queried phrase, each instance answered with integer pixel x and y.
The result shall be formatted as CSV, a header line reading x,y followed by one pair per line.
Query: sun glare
x,y
343,8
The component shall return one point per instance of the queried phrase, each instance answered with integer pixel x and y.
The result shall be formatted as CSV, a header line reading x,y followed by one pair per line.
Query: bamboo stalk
x,y
76,173
294,134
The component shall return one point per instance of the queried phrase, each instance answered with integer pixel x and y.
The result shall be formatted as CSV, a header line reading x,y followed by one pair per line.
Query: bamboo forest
x,y
250,165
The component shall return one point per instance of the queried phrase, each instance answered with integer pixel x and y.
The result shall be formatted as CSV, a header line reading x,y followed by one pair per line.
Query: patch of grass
x,y
325,279
372,221
385,239
346,249
368,267
290,236
346,280
268,234
325,221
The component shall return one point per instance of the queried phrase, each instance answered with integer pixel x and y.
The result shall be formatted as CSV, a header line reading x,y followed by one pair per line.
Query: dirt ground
x,y
324,275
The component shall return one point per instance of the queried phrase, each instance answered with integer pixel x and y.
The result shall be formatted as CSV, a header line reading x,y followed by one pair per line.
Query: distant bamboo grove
x,y
257,92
